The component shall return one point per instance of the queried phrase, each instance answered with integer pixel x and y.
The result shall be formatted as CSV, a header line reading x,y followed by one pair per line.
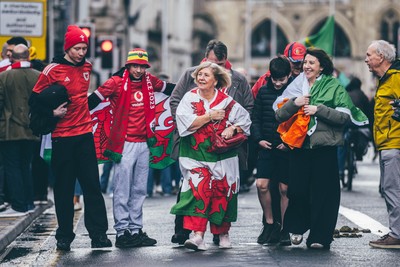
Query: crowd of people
x,y
288,126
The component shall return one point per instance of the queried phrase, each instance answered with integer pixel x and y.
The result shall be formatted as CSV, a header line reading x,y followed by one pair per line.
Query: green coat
x,y
15,89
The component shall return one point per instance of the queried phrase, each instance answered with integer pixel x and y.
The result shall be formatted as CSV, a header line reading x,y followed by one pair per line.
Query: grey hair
x,y
222,77
386,49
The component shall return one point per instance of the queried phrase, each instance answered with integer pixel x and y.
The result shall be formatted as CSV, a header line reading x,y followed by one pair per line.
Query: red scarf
x,y
16,65
120,122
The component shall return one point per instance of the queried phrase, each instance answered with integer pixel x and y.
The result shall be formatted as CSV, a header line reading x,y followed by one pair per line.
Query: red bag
x,y
221,145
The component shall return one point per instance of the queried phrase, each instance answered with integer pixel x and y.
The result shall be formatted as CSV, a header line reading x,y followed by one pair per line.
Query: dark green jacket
x,y
15,89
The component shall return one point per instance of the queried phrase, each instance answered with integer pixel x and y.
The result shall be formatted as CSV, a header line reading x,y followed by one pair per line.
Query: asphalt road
x,y
362,208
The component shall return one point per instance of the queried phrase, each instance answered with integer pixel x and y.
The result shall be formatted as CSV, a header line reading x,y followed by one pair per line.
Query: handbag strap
x,y
228,108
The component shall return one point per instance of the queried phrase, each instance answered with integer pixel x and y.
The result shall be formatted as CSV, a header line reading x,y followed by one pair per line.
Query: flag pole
x,y
332,13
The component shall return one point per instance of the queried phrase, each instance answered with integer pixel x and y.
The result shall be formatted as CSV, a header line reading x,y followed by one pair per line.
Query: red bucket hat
x,y
295,52
138,56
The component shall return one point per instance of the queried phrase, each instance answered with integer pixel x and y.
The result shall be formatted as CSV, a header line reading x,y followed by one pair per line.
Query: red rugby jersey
x,y
136,131
76,80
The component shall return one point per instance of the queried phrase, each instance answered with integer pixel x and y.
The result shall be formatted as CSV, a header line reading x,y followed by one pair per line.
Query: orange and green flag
x,y
324,38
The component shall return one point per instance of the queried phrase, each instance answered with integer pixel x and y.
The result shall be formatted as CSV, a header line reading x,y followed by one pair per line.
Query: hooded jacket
x,y
386,129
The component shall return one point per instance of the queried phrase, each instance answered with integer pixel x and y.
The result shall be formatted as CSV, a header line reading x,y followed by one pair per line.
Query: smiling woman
x,y
314,168
210,185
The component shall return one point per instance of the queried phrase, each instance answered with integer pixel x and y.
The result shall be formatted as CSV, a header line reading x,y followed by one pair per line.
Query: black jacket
x,y
264,124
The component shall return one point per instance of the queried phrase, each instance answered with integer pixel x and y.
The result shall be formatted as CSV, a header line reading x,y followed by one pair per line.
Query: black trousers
x,y
40,174
314,194
75,158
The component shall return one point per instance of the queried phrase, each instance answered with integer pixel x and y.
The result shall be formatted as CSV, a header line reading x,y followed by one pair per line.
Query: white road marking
x,y
364,221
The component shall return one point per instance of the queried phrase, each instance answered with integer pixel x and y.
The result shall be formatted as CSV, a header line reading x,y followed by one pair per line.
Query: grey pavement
x,y
158,223
11,227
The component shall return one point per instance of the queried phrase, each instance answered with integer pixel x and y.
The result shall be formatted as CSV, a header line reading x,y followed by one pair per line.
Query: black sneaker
x,y
275,235
64,244
127,240
101,242
146,240
284,240
216,240
265,233
179,238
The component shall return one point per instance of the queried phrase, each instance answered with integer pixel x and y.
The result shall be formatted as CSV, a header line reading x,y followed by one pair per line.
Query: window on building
x,y
341,47
261,40
390,27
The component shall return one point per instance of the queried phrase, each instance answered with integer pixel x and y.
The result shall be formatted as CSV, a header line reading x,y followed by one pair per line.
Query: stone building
x,y
175,32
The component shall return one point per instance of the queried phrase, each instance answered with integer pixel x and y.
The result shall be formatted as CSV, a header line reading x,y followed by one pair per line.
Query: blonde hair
x,y
222,77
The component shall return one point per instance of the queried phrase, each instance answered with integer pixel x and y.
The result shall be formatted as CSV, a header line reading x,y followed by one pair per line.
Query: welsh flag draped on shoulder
x,y
324,38
328,91
206,173
160,145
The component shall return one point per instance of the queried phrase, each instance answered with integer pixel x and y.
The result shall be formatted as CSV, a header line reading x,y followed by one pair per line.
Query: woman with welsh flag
x,y
317,108
210,185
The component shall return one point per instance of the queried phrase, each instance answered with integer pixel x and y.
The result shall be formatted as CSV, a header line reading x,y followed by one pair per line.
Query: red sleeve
x,y
158,85
45,79
260,83
111,87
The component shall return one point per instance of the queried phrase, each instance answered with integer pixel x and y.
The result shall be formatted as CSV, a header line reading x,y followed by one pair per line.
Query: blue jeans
x,y
166,180
17,158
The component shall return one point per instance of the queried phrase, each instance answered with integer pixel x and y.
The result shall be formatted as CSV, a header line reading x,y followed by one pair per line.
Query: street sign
x,y
26,19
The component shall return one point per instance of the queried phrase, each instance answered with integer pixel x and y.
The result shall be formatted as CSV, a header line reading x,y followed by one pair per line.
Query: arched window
x,y
390,27
341,45
261,40
203,32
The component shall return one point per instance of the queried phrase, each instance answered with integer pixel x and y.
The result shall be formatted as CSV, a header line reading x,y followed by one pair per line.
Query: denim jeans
x,y
105,176
165,179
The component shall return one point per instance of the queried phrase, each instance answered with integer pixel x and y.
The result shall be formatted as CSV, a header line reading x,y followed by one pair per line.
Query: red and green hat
x,y
138,56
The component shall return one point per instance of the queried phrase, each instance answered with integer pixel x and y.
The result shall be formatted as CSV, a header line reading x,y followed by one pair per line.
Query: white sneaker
x,y
316,245
12,213
195,242
296,239
224,241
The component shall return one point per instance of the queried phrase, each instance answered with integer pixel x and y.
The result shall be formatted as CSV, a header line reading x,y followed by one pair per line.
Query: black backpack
x,y
41,105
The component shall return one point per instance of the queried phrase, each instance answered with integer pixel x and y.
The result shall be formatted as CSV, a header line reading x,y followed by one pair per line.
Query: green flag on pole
x,y
324,38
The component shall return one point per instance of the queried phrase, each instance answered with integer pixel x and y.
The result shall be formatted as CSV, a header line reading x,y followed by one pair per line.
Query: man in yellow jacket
x,y
381,60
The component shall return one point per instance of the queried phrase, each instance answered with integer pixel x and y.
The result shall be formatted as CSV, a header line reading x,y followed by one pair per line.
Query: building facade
x,y
175,32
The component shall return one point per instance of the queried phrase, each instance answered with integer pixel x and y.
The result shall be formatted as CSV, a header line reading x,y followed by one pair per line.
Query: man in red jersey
x,y
73,151
131,93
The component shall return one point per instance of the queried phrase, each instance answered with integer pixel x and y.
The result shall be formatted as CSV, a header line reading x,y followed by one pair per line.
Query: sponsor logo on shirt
x,y
67,79
138,96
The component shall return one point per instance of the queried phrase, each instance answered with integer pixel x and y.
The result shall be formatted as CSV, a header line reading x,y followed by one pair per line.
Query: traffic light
x,y
89,30
107,47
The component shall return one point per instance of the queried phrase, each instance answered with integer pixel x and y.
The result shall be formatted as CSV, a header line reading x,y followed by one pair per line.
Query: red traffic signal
x,y
106,45
89,30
